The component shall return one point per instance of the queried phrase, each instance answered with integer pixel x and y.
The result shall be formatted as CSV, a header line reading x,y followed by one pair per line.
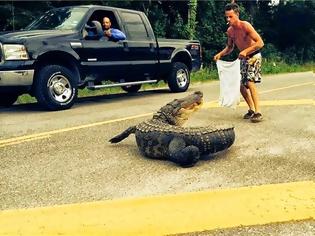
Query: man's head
x,y
232,12
106,23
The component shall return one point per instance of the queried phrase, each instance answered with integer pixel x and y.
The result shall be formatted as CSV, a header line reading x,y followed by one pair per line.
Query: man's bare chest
x,y
241,38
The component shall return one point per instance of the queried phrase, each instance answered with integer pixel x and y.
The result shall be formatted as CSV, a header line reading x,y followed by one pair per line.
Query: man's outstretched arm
x,y
117,34
255,37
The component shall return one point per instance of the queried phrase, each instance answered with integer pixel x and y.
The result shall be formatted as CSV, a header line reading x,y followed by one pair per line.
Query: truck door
x,y
101,58
141,47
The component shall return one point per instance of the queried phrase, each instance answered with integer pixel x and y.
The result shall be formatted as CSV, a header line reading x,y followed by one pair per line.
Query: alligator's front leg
x,y
185,156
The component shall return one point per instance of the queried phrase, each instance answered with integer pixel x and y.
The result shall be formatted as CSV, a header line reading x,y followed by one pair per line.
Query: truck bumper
x,y
17,73
16,78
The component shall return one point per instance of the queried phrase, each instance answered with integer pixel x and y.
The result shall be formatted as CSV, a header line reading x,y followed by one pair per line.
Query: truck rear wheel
x,y
7,99
179,78
131,88
56,87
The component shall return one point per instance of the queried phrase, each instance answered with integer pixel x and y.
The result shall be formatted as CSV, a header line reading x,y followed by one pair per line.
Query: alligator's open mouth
x,y
188,105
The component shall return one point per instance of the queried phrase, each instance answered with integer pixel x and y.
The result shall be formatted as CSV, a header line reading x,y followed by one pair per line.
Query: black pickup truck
x,y
63,51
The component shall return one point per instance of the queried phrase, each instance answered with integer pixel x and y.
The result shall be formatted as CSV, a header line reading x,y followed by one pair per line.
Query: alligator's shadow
x,y
212,156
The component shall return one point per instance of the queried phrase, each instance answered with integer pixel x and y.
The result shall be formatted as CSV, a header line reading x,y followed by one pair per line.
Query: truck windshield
x,y
59,19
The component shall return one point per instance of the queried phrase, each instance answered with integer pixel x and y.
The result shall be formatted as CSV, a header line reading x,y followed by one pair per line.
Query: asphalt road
x,y
51,158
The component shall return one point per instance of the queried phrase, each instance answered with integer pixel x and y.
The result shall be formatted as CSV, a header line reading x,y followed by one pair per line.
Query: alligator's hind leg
x,y
185,156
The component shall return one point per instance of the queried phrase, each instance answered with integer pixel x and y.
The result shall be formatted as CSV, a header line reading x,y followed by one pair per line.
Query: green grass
x,y
204,75
276,67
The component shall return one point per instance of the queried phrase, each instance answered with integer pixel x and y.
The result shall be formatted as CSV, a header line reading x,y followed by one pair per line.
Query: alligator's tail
x,y
223,138
218,139
123,135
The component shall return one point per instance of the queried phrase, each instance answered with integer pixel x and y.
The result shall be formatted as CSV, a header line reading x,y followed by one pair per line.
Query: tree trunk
x,y
192,12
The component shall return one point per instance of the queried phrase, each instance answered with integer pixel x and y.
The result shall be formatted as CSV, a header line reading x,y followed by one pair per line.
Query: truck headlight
x,y
15,52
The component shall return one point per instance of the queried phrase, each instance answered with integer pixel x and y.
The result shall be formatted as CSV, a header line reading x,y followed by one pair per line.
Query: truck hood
x,y
22,36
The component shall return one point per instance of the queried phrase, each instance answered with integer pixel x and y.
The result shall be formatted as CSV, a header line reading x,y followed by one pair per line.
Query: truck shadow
x,y
119,96
86,101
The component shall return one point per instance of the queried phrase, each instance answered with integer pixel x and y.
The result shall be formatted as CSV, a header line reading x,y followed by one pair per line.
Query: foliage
x,y
192,23
158,21
205,75
294,30
287,28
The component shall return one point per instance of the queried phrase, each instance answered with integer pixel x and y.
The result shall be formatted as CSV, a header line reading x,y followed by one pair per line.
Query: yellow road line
x,y
206,105
215,104
287,102
168,214
4,144
32,136
287,87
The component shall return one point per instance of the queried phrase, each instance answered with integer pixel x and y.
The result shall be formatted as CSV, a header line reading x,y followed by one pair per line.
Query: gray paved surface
x,y
80,166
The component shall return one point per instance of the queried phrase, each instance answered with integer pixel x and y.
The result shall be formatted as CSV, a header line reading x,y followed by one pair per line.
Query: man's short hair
x,y
232,6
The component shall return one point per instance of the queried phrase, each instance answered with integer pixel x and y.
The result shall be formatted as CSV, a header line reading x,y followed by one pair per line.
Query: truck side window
x,y
92,31
135,26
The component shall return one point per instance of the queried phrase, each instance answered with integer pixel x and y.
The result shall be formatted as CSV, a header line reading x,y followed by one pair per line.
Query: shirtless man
x,y
247,40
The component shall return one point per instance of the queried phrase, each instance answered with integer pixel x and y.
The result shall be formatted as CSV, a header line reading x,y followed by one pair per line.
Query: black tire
x,y
179,77
131,88
56,87
7,99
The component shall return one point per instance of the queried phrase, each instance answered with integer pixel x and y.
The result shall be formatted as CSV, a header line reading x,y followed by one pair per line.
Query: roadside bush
x,y
270,51
205,74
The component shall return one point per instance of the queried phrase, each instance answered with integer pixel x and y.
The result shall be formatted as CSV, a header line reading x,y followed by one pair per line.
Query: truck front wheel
x,y
56,87
179,78
7,99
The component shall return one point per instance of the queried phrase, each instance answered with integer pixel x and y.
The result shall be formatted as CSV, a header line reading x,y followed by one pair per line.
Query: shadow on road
x,y
85,101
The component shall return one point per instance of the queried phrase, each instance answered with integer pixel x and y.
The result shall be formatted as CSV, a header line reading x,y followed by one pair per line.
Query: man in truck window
x,y
248,41
112,34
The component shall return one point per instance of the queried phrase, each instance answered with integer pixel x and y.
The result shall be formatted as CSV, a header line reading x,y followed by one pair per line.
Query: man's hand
x,y
107,33
217,57
242,55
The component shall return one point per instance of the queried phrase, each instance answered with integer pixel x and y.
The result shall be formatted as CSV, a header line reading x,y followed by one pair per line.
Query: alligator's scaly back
x,y
163,136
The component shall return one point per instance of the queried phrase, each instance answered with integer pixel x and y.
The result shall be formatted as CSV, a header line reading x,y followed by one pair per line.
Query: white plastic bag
x,y
230,79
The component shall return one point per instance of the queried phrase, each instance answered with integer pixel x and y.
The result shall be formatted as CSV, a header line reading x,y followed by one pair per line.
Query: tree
x,y
192,13
294,30
288,27
17,15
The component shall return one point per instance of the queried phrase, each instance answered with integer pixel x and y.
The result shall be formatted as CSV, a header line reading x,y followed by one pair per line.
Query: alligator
x,y
164,137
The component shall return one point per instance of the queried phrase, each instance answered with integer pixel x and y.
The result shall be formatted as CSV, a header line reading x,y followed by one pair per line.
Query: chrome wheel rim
x,y
181,78
60,88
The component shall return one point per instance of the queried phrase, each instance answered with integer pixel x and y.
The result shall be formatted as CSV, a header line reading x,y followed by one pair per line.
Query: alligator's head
x,y
179,110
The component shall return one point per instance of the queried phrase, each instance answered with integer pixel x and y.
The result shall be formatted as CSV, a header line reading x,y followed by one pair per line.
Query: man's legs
x,y
257,117
250,71
254,95
248,97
